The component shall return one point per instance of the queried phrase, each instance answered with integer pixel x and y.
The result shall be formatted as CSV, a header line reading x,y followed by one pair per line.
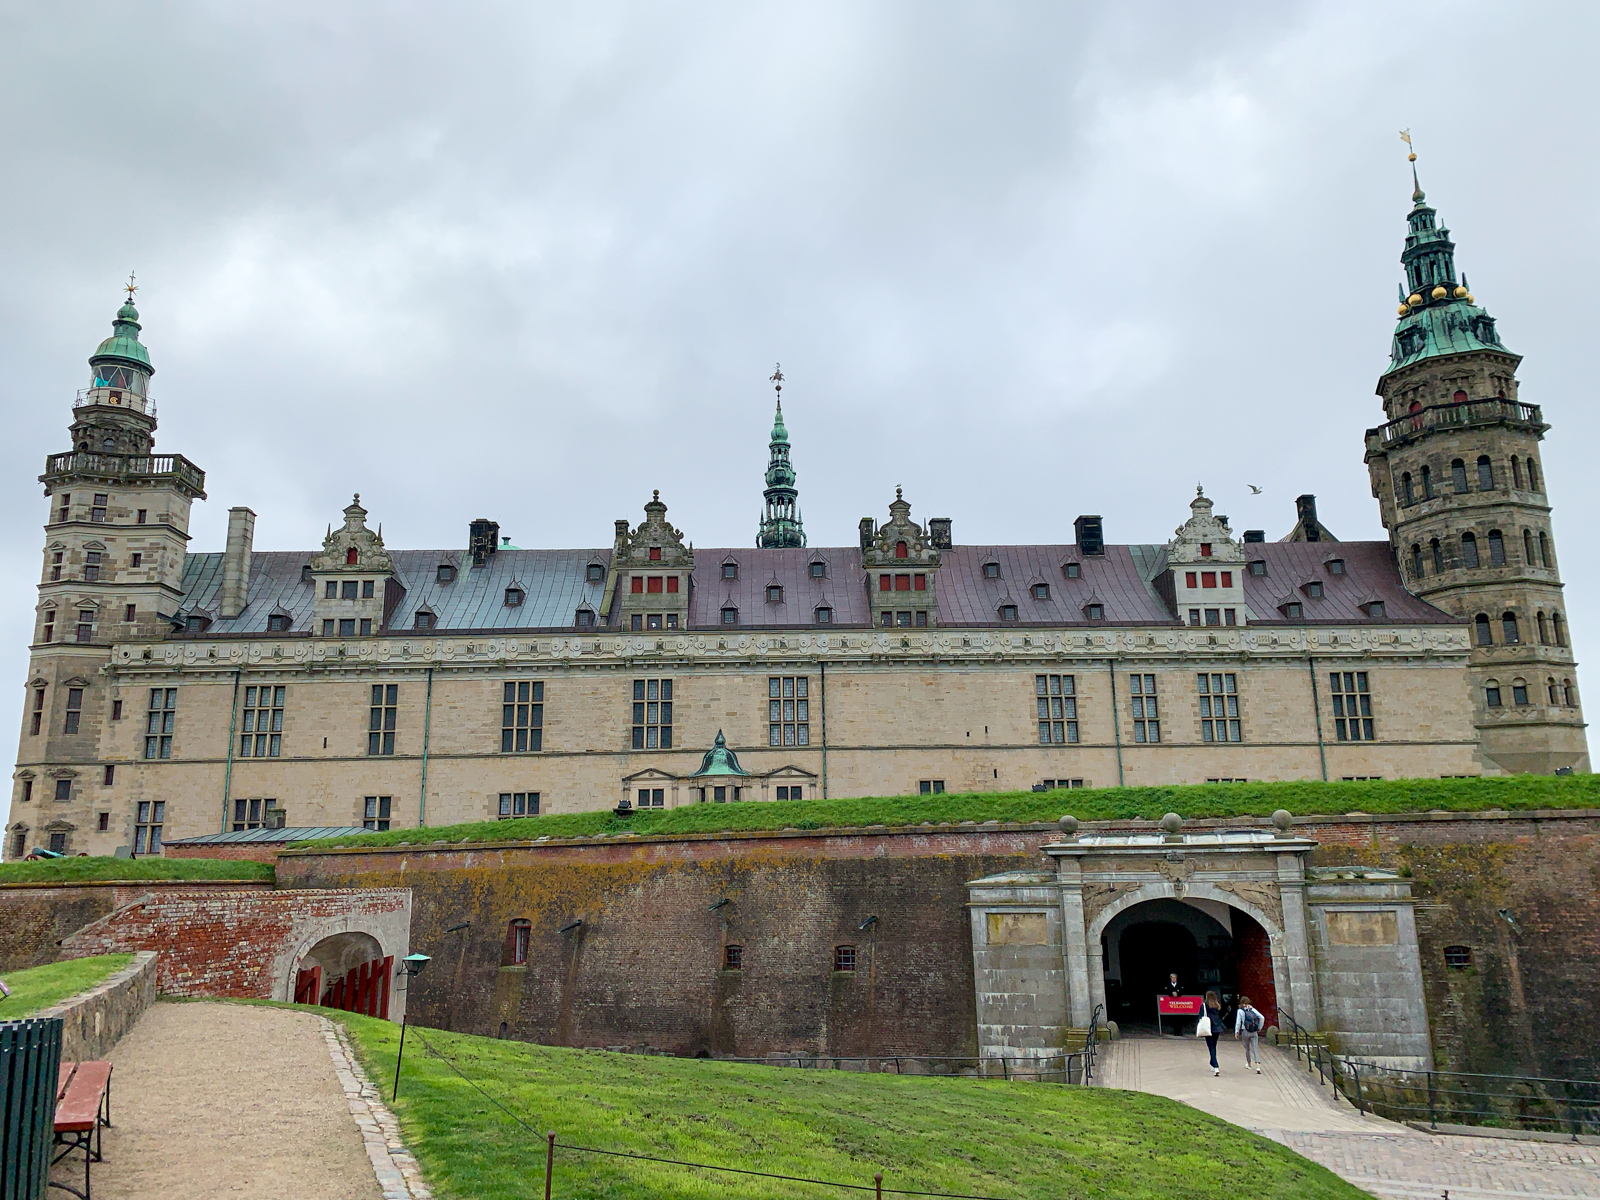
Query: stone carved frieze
x,y
1263,896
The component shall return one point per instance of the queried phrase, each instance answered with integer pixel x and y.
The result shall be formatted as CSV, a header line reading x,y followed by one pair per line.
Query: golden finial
x,y
130,287
1405,136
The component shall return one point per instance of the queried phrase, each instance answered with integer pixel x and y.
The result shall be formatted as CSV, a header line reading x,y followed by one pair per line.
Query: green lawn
x,y
90,870
1302,798
40,987
981,1137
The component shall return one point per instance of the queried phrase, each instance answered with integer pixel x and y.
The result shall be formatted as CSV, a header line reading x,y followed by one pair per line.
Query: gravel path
x,y
228,1100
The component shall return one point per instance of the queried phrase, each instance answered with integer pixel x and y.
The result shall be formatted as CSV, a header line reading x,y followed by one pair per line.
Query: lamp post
x,y
410,967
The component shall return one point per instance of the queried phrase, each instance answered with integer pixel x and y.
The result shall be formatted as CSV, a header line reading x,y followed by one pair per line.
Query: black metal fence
x,y
30,1061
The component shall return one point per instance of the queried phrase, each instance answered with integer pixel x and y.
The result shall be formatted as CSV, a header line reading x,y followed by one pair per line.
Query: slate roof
x,y
556,585
272,836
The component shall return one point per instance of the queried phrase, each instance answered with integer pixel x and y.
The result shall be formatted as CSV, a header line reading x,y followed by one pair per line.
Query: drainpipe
x,y
227,776
1116,721
1316,709
822,669
427,726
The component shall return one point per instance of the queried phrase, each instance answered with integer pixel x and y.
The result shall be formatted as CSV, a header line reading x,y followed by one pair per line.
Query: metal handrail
x,y
1468,412
1072,1068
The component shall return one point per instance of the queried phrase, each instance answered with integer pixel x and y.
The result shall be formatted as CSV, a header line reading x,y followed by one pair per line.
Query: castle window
x,y
902,583
1491,693
1485,473
733,958
277,623
1213,616
518,804
1073,570
1458,475
195,623
522,716
885,583
788,711
97,511
1258,568
1527,548
257,814
1041,591
1552,691
1469,550
351,557
730,615
636,585
1544,629
1314,589
652,714
655,553
1205,549
1427,483
654,585
774,593
116,710
888,620
1516,473
518,934
85,632
367,586
901,550
349,589
1008,612
1544,550
515,597
37,716
1056,701
1230,616
1416,562
1438,556
595,573
1533,476
91,566
1146,714
824,615
1219,708
1095,612
74,710
141,516
1292,611
1558,628
1519,692
424,619
56,562
903,619
305,573
730,570
1405,489
160,722
1497,549
1352,706
1508,623
844,958
1483,630
63,789
819,569
930,787
919,583
446,573
347,627
152,816
66,506
1375,609
991,570
382,718
1570,693
1336,566
583,618
375,812
1458,958
261,723
1459,398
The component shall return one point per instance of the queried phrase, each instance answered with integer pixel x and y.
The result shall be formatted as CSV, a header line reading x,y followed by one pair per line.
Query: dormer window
x,y
1258,568
901,550
655,553
446,573
1205,549
824,615
991,570
424,619
1374,609
1293,611
774,593
730,615
1041,591
1095,612
305,573
730,570
1314,589
596,573
277,623
351,558
584,618
194,623
1073,570
819,569
514,597
1336,566
1008,612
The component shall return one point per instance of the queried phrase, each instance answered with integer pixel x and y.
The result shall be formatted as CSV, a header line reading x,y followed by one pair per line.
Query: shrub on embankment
x,y
1303,798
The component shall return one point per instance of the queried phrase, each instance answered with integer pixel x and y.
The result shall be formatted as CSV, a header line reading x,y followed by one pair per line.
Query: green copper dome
x,y
124,345
719,760
780,524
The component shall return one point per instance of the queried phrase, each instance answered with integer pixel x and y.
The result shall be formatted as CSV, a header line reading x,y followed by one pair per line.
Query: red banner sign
x,y
1180,1006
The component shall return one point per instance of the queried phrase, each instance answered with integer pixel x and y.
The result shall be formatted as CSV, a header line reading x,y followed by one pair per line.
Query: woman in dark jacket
x,y
1214,1012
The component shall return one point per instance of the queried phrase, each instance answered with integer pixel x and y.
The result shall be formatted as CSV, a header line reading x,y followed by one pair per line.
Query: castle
x,y
172,693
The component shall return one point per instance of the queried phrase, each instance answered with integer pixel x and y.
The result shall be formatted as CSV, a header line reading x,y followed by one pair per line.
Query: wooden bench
x,y
83,1108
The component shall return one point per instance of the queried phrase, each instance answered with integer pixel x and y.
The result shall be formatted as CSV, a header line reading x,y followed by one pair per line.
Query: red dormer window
x,y
885,582
1205,549
1190,579
655,553
350,557
1459,398
1227,579
636,585
919,583
900,550
672,583
1208,579
902,583
654,585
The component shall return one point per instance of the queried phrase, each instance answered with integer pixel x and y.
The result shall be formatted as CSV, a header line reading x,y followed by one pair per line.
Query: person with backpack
x,y
1247,1025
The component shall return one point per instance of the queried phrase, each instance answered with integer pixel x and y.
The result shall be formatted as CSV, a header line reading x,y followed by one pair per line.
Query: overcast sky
x,y
530,261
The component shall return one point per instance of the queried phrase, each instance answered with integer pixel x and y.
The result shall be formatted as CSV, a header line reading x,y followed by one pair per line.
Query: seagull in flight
x,y
1254,490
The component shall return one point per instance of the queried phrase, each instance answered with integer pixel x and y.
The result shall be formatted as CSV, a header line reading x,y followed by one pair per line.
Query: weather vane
x,y
1405,136
777,381
131,287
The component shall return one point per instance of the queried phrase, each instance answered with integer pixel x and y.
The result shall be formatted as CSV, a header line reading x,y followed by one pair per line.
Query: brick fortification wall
x,y
645,967
35,917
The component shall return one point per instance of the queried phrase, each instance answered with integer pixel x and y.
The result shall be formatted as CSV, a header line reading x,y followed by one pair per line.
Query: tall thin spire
x,y
780,524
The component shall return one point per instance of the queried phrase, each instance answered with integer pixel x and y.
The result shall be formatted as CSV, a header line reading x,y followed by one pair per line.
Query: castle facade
x,y
173,693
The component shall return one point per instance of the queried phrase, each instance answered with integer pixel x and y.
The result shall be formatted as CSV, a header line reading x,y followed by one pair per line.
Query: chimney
x,y
869,529
1255,535
1091,535
483,538
939,532
236,563
1305,508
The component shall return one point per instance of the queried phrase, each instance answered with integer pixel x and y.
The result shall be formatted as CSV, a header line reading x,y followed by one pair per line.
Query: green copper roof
x,y
719,760
124,341
780,525
1431,324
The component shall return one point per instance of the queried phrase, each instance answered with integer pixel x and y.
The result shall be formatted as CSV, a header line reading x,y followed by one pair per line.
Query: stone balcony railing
x,y
1455,416
125,468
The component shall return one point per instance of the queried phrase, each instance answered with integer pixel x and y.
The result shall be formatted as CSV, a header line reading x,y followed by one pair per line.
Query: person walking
x,y
1247,1024
1213,1020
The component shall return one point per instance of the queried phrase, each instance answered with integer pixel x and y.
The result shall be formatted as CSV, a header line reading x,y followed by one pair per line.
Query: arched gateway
x,y
1335,948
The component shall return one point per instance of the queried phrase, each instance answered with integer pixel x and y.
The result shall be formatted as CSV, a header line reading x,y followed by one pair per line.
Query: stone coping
x,y
151,884
922,830
94,1021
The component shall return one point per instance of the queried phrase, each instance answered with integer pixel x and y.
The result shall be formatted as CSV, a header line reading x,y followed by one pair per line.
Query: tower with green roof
x,y
781,524
1457,471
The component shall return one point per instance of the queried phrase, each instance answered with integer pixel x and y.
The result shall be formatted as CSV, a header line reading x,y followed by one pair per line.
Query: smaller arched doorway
x,y
348,971
1209,945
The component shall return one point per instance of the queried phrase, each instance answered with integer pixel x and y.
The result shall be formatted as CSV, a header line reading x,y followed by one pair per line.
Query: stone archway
x,y
346,970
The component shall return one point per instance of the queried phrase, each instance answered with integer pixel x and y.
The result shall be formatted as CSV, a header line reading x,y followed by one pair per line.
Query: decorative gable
x,y
369,555
900,540
654,543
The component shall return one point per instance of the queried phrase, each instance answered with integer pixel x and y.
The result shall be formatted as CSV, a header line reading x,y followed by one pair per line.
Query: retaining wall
x,y
94,1021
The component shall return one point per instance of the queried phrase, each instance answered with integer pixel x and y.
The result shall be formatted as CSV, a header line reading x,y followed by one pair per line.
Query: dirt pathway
x,y
228,1100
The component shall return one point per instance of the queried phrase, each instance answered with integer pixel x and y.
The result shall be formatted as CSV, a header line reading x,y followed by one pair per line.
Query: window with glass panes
x,y
1219,707
375,812
1057,708
380,726
522,717
257,814
160,722
147,830
1352,706
261,723
788,711
1146,712
652,714
518,804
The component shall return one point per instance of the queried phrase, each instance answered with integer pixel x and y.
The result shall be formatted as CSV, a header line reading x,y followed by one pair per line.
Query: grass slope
x,y
982,1137
92,870
40,987
1303,798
